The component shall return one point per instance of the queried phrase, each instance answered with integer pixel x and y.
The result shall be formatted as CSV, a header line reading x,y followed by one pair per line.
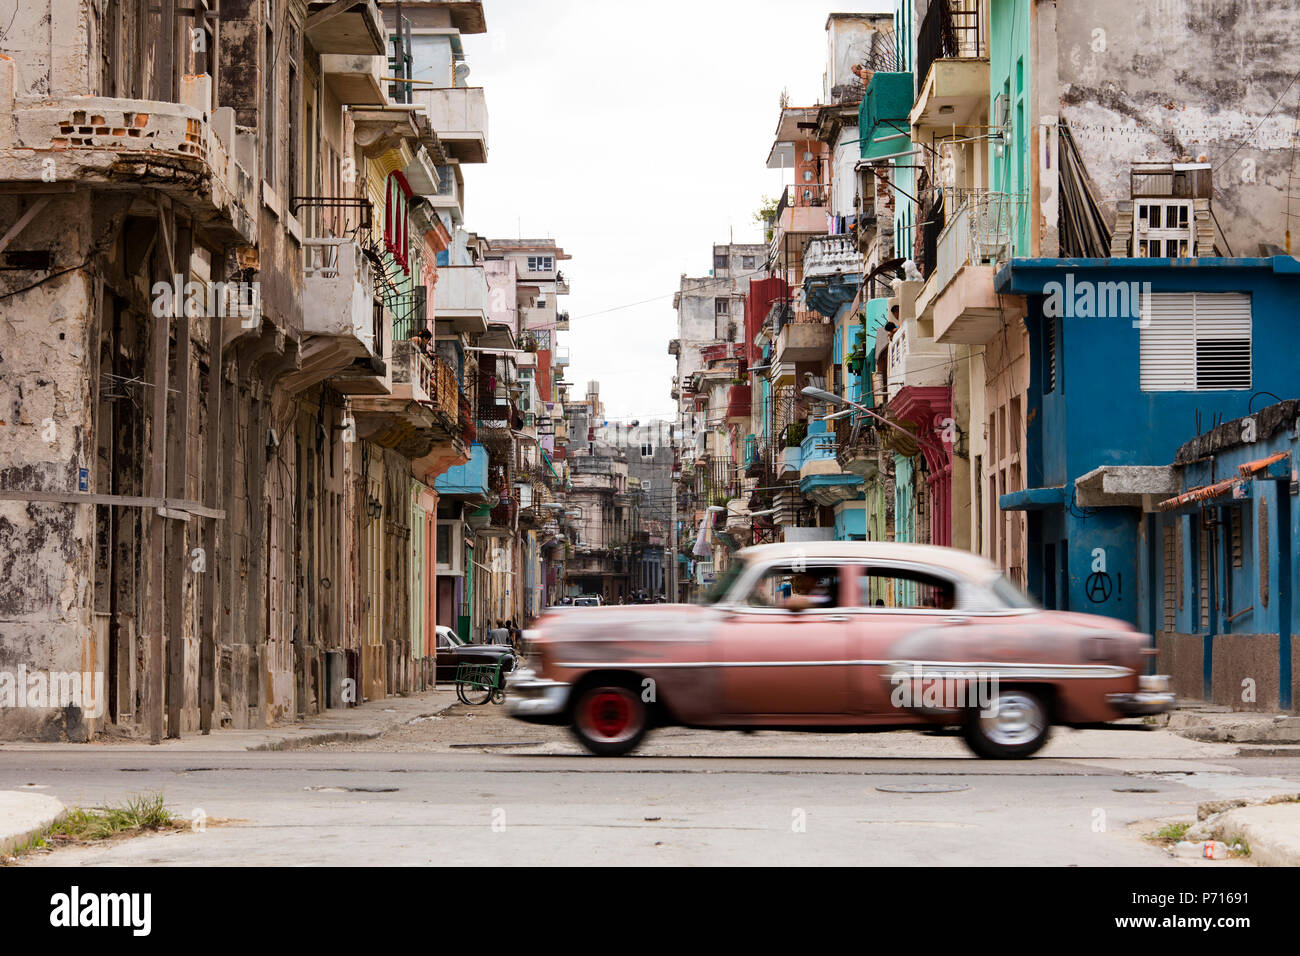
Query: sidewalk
x,y
1270,829
1208,722
23,815
364,722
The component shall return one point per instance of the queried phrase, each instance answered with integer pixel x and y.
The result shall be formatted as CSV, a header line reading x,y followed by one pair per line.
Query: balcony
x,y
449,195
858,451
187,150
537,318
358,29
801,212
355,80
409,312
832,273
561,321
469,480
820,478
341,316
459,116
951,31
712,354
420,417
739,401
882,116
560,358
674,346
800,343
460,298
959,295
915,358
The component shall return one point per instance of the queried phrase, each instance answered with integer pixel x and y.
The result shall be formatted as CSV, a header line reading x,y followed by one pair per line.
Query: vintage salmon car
x,y
839,636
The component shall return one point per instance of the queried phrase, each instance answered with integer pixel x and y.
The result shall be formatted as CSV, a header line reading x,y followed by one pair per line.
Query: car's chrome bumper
x,y
530,697
1153,697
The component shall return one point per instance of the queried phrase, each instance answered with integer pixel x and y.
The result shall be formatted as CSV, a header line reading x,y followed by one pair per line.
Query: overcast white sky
x,y
636,135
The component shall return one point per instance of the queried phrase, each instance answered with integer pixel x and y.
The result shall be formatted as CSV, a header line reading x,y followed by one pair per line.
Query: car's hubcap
x,y
609,715
1015,719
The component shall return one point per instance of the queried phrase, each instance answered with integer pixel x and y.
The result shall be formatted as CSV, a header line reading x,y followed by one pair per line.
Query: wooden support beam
x,y
176,506
156,601
178,557
212,474
32,211
330,12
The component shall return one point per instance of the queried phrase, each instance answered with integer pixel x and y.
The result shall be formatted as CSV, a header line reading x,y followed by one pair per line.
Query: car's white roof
x,y
951,559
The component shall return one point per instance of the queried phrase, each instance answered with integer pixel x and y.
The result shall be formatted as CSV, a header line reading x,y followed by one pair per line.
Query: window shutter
x,y
1222,341
1166,343
1195,341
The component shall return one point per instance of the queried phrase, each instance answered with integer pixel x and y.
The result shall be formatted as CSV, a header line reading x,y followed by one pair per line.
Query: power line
x,y
709,281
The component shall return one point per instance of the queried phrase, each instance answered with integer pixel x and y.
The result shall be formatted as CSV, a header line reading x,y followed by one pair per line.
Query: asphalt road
x,y
472,788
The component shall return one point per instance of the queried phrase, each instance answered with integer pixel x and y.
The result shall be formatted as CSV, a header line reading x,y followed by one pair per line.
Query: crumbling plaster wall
x,y
52,38
46,372
1161,80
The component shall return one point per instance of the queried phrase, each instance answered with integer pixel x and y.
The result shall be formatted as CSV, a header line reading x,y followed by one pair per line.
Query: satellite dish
x,y
461,73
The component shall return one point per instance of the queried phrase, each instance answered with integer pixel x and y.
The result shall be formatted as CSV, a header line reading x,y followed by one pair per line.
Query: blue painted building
x,y
1224,564
1128,358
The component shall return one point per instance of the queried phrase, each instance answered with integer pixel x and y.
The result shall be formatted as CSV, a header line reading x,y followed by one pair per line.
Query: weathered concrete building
x,y
218,429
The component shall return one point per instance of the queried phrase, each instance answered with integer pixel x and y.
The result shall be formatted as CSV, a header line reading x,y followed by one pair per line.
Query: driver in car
x,y
818,588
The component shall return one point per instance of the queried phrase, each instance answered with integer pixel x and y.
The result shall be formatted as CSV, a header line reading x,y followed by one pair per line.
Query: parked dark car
x,y
452,652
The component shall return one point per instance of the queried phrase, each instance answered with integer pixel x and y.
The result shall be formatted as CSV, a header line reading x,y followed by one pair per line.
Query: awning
x,y
1275,467
1205,493
1126,486
1033,499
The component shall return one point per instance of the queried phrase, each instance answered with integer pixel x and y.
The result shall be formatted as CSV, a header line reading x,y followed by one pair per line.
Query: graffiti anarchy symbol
x,y
1098,587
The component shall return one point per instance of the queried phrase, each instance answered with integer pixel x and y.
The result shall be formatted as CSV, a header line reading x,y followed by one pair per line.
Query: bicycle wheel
x,y
472,693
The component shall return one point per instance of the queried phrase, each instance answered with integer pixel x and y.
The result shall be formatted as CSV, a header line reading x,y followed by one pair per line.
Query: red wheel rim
x,y
608,713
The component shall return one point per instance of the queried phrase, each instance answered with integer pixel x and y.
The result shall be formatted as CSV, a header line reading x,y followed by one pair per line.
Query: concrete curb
x,y
348,736
1235,727
1271,830
366,722
25,815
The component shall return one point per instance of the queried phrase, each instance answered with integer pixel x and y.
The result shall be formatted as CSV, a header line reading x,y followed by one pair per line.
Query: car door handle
x,y
838,617
954,620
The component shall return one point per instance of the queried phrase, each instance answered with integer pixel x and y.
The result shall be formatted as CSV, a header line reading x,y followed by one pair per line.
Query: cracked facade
x,y
232,512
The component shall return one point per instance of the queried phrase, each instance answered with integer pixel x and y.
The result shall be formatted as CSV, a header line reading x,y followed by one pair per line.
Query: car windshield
x,y
722,583
452,637
1010,594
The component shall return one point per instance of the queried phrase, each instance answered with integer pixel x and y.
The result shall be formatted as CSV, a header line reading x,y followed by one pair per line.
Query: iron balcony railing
x,y
409,311
981,231
950,30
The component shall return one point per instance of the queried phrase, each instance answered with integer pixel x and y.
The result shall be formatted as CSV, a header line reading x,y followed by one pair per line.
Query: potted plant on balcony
x,y
858,357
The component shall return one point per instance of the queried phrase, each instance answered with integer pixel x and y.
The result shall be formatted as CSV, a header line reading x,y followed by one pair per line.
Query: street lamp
x,y
821,394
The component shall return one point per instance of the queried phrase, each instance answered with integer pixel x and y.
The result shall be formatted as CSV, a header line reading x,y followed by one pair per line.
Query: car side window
x,y
820,585
444,644
904,588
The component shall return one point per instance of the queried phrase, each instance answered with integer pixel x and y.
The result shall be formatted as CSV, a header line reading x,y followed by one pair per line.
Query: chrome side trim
x,y
926,668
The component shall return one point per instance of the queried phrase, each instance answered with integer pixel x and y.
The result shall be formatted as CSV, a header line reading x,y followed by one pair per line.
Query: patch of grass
x,y
1171,832
1238,840
138,814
